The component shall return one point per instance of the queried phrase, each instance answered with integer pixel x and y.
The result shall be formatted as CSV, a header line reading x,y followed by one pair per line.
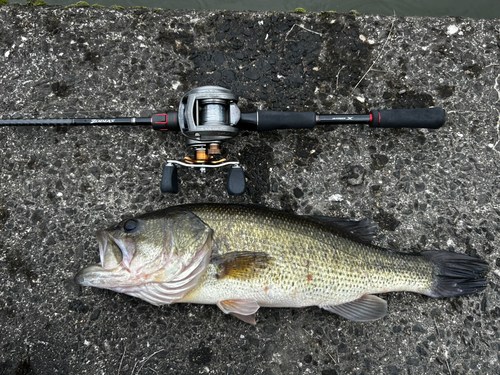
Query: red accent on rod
x,y
166,118
160,122
376,124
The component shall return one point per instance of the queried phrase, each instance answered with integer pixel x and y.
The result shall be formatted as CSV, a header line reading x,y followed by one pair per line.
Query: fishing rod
x,y
209,115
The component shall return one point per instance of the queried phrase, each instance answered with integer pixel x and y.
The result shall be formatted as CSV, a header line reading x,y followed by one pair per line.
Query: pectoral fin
x,y
243,309
364,309
241,264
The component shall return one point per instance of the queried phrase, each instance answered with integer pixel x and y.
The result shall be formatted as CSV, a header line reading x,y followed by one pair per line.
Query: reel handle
x,y
235,184
169,182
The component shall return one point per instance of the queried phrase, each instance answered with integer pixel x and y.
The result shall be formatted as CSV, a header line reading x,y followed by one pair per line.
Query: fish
x,y
243,257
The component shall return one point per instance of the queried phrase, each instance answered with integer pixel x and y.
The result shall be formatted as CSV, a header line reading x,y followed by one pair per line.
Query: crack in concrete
x,y
382,51
496,87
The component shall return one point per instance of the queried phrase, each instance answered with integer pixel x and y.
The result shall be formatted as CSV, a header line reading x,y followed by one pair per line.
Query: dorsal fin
x,y
363,230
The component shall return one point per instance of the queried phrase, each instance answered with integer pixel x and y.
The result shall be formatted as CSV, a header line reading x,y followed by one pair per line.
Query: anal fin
x,y
364,309
243,309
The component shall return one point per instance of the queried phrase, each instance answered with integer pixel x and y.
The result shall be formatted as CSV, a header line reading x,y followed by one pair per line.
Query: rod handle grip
x,y
431,118
275,120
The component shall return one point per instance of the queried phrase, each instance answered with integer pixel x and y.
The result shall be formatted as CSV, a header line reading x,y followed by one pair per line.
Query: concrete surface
x,y
425,189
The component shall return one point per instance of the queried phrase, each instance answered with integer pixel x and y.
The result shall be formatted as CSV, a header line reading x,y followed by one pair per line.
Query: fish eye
x,y
130,226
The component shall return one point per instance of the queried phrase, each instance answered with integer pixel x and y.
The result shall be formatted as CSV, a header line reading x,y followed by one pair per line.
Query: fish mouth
x,y
102,239
87,276
99,277
110,272
114,252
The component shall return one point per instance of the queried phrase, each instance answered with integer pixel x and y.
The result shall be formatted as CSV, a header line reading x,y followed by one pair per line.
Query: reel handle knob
x,y
169,181
236,181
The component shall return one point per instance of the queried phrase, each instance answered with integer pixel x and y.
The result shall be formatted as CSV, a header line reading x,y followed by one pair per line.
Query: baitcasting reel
x,y
209,115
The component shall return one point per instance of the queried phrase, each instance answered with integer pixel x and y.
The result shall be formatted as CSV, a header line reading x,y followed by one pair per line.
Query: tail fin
x,y
456,274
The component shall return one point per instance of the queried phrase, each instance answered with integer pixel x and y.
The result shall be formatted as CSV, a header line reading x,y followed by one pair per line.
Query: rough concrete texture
x,y
425,189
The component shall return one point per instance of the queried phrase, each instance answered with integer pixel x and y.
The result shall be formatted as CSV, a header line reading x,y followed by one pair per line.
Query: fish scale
x,y
244,257
314,264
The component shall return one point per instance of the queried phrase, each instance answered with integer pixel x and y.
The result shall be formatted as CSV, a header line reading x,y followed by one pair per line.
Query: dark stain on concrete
x,y
386,220
256,161
4,216
17,264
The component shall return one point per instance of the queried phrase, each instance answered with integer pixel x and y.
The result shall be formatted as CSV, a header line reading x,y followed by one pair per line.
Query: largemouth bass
x,y
242,258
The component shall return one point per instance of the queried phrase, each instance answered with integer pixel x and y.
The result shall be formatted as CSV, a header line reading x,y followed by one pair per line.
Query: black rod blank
x,y
79,121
